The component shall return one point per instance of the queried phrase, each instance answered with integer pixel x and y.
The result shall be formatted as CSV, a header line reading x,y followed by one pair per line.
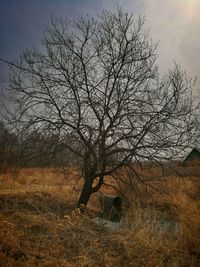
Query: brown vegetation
x,y
40,226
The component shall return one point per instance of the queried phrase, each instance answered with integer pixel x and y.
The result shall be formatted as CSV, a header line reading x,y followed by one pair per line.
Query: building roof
x,y
193,155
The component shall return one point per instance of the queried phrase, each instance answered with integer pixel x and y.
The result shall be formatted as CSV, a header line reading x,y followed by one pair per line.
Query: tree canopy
x,y
95,81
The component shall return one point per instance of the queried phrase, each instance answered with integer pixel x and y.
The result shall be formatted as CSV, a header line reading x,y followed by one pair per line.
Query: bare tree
x,y
96,81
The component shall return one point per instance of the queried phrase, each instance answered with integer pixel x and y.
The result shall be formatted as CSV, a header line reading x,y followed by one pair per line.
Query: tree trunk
x,y
86,192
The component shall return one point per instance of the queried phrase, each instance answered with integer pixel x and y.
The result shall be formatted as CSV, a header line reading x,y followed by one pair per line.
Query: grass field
x,y
40,226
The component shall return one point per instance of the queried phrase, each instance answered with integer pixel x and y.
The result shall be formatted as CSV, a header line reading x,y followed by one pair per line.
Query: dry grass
x,y
43,228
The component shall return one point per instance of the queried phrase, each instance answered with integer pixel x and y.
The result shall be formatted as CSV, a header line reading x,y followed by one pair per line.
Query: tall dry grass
x,y
43,228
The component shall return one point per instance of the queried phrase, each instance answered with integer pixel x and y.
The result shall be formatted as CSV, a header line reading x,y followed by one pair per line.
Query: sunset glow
x,y
191,10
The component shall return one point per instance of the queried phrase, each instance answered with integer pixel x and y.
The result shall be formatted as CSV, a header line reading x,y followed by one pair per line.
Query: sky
x,y
175,24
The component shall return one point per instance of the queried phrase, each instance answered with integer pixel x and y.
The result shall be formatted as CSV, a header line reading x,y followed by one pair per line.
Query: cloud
x,y
176,24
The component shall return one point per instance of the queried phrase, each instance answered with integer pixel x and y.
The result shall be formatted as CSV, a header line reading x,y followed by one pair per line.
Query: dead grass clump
x,y
188,211
166,222
11,253
158,230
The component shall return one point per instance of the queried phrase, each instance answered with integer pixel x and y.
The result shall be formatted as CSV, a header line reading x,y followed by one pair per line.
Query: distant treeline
x,y
34,149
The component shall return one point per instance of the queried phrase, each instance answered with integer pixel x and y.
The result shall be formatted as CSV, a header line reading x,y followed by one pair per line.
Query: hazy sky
x,y
174,23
